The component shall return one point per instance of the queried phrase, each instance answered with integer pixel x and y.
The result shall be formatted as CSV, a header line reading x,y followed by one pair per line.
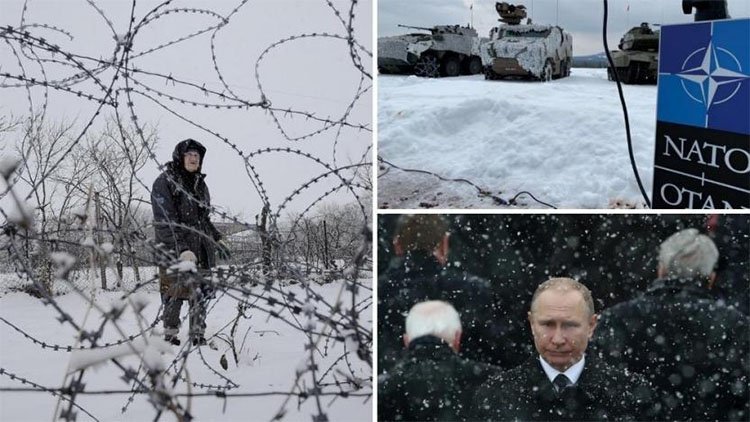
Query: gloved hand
x,y
222,249
188,255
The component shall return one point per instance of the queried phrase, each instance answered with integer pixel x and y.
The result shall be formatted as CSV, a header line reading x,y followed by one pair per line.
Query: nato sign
x,y
702,157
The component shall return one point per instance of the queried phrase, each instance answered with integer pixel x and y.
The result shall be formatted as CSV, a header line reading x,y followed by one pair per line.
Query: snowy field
x,y
563,141
273,351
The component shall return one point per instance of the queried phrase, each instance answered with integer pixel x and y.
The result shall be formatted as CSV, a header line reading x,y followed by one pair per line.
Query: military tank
x,y
541,52
637,60
447,50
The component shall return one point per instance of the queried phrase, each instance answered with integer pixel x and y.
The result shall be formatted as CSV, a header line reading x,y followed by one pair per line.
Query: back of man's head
x,y
687,254
420,232
435,318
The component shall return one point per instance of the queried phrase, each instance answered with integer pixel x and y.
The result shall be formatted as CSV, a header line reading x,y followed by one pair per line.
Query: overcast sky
x,y
314,75
582,18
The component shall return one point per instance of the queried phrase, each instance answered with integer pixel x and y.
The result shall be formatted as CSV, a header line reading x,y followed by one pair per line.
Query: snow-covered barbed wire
x,y
61,239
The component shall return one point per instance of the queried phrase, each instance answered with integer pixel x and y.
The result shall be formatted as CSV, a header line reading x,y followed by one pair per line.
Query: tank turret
x,y
509,13
640,38
637,60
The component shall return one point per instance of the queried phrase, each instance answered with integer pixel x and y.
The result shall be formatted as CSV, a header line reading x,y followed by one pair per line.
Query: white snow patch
x,y
563,141
63,262
107,248
20,213
139,301
8,164
150,353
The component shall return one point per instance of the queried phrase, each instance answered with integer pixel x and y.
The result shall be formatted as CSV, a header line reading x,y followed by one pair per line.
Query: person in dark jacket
x,y
181,205
690,346
431,382
731,234
420,273
563,382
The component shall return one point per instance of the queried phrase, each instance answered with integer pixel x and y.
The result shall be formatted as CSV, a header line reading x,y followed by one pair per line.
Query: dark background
x,y
614,255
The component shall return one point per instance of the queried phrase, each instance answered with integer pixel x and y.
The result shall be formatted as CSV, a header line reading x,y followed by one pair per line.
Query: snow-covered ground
x,y
563,141
273,352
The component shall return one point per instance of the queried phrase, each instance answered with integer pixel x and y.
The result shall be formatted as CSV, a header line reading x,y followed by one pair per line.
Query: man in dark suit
x,y
563,382
691,347
431,382
422,272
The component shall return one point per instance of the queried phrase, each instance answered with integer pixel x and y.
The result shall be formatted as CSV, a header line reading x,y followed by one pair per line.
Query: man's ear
x,y
530,318
406,340
397,248
711,280
661,272
441,251
592,323
456,344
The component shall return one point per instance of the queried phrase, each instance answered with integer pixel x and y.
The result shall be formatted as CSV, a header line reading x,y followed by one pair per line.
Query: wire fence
x,y
73,199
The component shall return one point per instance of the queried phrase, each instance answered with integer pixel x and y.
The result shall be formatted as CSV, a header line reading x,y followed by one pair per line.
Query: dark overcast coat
x,y
686,343
418,278
430,383
174,208
525,393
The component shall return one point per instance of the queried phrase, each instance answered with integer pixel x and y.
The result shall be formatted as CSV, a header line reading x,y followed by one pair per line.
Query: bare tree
x,y
328,237
118,154
44,169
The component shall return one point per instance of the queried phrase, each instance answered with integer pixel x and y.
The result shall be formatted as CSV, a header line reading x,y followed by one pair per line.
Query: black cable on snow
x,y
624,108
482,192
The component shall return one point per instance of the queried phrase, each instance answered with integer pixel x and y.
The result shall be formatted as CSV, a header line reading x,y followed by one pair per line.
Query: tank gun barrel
x,y
415,27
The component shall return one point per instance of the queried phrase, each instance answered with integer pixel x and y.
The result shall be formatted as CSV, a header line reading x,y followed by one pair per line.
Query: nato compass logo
x,y
711,75
704,75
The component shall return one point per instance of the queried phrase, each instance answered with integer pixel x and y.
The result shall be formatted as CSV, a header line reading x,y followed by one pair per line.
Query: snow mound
x,y
563,141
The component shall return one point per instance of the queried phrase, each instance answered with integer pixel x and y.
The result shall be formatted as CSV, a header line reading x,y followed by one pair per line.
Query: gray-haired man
x,y
431,382
692,348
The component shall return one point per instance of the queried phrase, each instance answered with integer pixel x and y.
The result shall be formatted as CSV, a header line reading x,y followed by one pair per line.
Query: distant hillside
x,y
594,60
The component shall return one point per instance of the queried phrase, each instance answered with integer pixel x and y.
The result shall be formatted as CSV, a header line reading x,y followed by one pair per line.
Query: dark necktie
x,y
561,382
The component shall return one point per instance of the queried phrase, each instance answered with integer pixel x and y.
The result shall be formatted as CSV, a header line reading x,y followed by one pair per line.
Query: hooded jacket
x,y
181,205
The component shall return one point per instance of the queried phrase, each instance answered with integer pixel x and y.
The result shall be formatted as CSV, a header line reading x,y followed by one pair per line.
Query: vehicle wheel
x,y
547,72
623,73
451,66
427,66
475,65
610,76
488,73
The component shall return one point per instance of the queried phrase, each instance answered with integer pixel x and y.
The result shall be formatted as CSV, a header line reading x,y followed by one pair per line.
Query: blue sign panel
x,y
702,157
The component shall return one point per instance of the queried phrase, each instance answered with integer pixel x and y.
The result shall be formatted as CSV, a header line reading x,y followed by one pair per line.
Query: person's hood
x,y
183,146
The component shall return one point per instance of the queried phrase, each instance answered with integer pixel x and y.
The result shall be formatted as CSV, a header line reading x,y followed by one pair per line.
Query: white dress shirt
x,y
573,373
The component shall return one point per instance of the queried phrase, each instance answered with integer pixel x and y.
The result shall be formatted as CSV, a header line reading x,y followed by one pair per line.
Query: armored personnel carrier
x,y
540,52
636,62
448,50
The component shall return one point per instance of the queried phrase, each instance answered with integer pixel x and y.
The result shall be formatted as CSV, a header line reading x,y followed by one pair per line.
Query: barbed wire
x,y
50,245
